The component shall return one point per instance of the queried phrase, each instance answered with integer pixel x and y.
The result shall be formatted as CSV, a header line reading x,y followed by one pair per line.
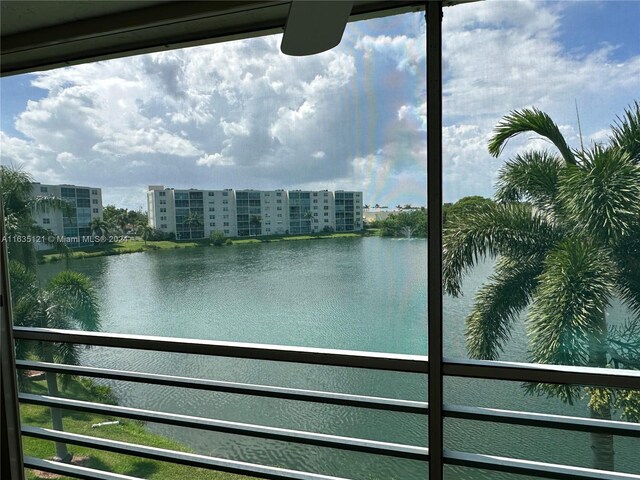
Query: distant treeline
x,y
414,222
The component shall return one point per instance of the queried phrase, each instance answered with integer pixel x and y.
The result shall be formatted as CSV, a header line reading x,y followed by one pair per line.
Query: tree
x,y
121,218
68,302
217,238
19,206
462,206
308,215
566,234
145,231
192,220
99,227
255,222
405,223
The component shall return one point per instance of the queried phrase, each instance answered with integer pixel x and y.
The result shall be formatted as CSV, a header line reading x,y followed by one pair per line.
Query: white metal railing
x,y
355,359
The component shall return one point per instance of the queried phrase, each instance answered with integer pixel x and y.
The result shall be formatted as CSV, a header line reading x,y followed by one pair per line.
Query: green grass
x,y
126,431
134,246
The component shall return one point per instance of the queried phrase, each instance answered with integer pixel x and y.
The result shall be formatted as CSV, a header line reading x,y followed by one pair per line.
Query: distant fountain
x,y
407,231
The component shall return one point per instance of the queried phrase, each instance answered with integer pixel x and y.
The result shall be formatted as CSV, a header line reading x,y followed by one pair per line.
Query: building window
x,y
225,224
44,189
279,208
212,209
212,224
226,231
164,225
326,200
225,201
162,194
225,216
279,215
212,217
225,209
326,214
210,194
163,218
225,194
95,210
326,207
315,214
278,201
46,221
163,210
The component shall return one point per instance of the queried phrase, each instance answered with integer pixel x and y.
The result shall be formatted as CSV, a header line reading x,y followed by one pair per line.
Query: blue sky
x,y
242,115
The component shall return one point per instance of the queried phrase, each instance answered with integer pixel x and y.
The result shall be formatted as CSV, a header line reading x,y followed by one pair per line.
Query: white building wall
x,y
220,212
88,207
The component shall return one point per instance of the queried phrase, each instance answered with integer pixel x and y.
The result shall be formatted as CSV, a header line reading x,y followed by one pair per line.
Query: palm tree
x,y
309,216
145,231
19,206
566,234
192,220
68,302
99,227
256,222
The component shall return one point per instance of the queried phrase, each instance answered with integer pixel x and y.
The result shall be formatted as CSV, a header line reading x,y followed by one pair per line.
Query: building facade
x,y
72,226
194,214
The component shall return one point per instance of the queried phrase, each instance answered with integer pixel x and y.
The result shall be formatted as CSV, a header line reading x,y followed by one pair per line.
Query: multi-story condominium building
x,y
72,225
193,214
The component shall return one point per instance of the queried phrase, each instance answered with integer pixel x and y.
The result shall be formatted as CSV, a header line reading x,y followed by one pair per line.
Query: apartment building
x,y
74,225
193,214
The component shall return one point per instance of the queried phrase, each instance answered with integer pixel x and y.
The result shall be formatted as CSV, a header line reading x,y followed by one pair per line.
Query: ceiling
x,y
40,35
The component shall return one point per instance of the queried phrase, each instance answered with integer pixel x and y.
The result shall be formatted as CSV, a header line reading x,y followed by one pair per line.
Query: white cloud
x,y
407,52
503,56
214,160
353,117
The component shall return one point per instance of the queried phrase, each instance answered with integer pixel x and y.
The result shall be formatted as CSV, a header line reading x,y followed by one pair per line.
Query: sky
x,y
243,115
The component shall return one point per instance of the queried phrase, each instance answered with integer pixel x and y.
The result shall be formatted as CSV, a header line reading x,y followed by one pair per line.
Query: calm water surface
x,y
358,294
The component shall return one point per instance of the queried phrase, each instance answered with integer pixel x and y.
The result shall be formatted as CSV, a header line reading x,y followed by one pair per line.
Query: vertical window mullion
x,y
434,248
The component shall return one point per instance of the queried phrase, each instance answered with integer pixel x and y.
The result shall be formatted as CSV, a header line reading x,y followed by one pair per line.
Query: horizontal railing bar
x,y
545,420
255,351
172,456
528,467
541,373
259,431
361,401
75,471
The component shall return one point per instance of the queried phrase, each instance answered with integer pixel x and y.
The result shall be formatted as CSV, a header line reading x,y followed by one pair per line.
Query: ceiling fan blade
x,y
314,26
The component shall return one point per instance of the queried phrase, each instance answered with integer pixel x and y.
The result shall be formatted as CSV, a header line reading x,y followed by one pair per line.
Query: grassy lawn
x,y
134,245
126,431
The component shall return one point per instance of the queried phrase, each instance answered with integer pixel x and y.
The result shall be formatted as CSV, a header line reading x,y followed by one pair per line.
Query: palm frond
x,y
45,203
628,402
626,132
623,343
602,195
497,305
24,283
513,230
75,294
627,257
529,120
574,290
531,177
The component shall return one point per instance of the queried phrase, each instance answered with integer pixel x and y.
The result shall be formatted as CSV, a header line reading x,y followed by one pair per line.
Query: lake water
x,y
358,294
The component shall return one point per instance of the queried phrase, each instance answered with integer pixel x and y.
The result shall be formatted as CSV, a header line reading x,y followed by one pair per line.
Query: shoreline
x,y
136,245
